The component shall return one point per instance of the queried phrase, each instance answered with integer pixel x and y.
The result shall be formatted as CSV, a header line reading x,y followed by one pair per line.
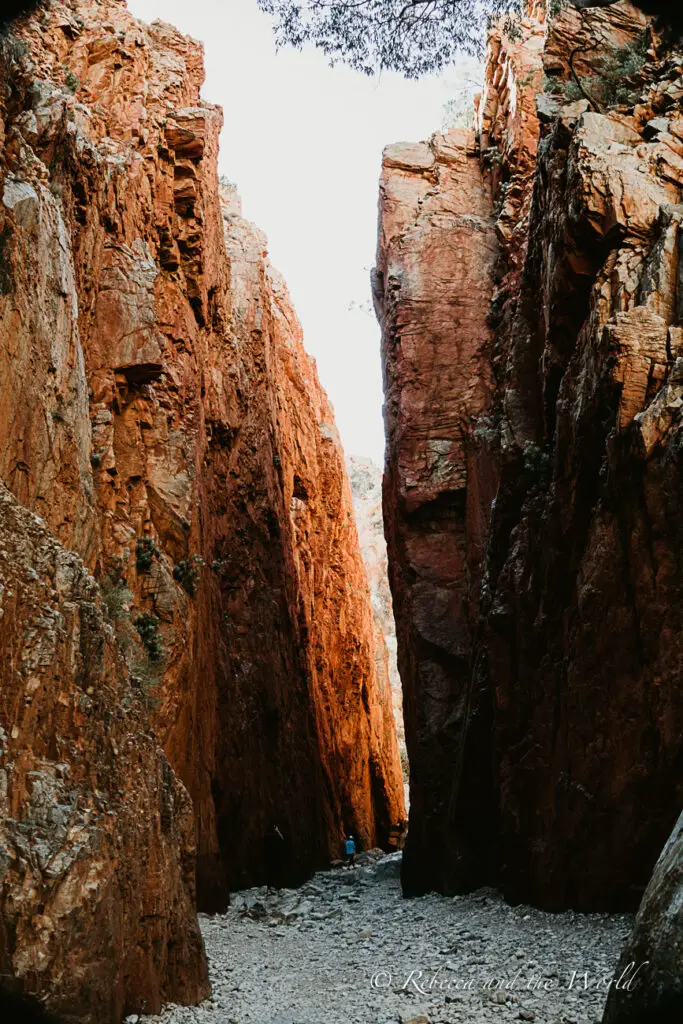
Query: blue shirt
x,y
350,846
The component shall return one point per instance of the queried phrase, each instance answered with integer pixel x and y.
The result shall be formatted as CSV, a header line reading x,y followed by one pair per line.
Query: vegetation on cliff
x,y
416,37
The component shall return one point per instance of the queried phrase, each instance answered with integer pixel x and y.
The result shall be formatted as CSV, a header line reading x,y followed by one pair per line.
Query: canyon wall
x,y
97,838
655,941
432,287
311,707
160,416
529,289
365,478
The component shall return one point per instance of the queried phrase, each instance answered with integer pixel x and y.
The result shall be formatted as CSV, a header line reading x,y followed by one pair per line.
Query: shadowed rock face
x,y
655,947
552,743
12,9
432,286
27,1009
160,414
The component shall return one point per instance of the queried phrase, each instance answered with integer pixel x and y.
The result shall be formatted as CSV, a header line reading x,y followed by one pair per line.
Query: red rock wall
x,y
366,487
567,753
160,413
97,837
432,289
309,709
110,196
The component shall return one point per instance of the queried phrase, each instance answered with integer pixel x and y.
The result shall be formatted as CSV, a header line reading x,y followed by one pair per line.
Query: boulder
x,y
654,951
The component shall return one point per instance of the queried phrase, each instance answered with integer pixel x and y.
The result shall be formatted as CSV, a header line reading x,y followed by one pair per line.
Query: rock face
x,y
655,947
302,676
160,414
96,832
365,478
15,8
432,290
547,757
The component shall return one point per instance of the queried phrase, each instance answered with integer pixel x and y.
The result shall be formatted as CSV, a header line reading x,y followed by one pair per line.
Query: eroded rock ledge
x,y
529,292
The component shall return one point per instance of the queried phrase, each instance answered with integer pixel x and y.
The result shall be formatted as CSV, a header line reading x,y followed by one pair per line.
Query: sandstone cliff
x,y
310,702
160,414
366,487
432,290
96,833
533,404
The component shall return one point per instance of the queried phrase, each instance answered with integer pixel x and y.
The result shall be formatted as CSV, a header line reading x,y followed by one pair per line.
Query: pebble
x,y
347,947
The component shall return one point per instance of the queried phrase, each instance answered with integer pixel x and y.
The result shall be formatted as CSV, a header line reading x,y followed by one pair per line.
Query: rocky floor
x,y
346,948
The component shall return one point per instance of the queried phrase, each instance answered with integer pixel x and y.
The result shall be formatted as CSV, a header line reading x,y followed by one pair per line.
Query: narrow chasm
x,y
287,737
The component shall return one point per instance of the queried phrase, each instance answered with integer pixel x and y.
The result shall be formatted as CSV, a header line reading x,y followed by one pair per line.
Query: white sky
x,y
303,142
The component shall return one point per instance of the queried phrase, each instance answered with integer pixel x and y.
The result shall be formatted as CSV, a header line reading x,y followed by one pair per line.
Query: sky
x,y
303,142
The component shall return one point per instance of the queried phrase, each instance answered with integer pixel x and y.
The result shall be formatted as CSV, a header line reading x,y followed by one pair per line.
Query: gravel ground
x,y
346,948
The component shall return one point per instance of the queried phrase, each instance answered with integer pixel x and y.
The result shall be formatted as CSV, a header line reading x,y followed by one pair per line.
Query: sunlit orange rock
x,y
96,832
161,415
366,486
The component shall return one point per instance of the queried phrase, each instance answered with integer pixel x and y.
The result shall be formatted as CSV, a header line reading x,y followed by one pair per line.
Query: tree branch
x,y
586,95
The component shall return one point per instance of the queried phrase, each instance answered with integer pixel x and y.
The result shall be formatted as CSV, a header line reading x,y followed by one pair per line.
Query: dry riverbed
x,y
346,948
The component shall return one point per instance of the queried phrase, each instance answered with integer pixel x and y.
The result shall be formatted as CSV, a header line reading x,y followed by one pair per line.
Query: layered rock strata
x,y
161,416
547,759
